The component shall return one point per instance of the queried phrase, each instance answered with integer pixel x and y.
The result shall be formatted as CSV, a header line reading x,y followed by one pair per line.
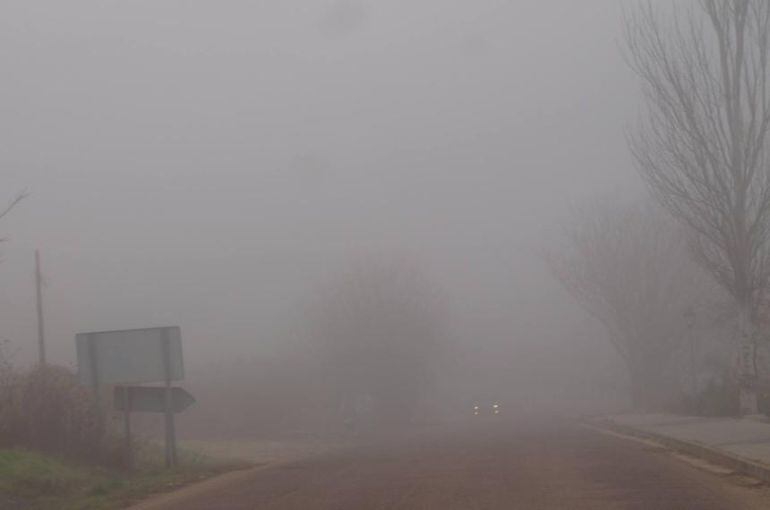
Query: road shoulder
x,y
193,491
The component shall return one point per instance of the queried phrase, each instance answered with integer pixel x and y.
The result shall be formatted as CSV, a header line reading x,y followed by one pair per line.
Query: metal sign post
x,y
169,412
152,399
127,398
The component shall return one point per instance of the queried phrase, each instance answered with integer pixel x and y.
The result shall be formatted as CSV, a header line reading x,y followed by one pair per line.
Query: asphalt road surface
x,y
528,465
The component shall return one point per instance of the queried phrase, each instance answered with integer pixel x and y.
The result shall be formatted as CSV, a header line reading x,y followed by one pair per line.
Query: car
x,y
487,409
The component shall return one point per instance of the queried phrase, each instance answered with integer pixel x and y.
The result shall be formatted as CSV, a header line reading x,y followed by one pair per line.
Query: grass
x,y
32,481
26,474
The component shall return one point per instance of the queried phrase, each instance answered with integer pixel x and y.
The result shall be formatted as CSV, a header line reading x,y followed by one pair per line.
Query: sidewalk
x,y
742,444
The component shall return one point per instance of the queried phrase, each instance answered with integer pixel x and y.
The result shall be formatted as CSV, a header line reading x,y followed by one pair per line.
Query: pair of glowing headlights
x,y
495,409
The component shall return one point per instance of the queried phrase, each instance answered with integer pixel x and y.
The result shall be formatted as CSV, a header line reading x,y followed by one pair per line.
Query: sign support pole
x,y
169,412
127,397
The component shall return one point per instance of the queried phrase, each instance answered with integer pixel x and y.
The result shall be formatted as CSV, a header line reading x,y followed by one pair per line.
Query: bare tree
x,y
702,145
628,267
12,204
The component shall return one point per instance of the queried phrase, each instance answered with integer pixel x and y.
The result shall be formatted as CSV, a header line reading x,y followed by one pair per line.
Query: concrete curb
x,y
739,464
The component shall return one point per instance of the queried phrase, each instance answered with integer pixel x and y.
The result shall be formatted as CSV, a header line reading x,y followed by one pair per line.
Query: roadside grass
x,y
33,481
25,474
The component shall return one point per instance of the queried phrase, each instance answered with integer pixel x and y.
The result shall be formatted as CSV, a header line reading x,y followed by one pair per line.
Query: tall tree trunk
x,y
747,371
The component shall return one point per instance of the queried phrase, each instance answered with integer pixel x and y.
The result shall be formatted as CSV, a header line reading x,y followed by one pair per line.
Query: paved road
x,y
531,466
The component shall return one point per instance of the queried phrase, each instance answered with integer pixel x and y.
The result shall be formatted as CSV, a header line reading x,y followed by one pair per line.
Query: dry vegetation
x,y
45,409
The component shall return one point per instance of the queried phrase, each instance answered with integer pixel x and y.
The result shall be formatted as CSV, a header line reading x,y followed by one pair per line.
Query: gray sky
x,y
208,163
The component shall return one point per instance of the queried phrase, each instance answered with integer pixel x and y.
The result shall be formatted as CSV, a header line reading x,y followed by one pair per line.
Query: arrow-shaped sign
x,y
151,399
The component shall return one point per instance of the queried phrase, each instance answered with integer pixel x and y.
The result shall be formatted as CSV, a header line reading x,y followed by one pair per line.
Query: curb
x,y
734,462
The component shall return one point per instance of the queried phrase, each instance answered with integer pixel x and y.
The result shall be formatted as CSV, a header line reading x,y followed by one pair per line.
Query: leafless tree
x,y
702,144
627,265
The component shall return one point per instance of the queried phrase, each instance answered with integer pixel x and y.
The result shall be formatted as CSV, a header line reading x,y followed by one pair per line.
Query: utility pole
x,y
40,323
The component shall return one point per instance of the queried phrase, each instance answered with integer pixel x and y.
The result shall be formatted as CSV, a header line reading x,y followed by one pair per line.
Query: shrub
x,y
46,409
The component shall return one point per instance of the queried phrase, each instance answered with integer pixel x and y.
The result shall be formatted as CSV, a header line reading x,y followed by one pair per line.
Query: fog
x,y
215,165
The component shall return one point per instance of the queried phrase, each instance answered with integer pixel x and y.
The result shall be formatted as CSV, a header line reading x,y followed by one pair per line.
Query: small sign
x,y
150,399
130,356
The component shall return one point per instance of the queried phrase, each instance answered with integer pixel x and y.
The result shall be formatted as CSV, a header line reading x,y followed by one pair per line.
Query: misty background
x,y
213,165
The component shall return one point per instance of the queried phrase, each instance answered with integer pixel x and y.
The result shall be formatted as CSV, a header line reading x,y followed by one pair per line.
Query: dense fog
x,y
231,167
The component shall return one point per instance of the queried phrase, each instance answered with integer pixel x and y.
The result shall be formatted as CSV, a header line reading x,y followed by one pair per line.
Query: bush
x,y
46,409
8,381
